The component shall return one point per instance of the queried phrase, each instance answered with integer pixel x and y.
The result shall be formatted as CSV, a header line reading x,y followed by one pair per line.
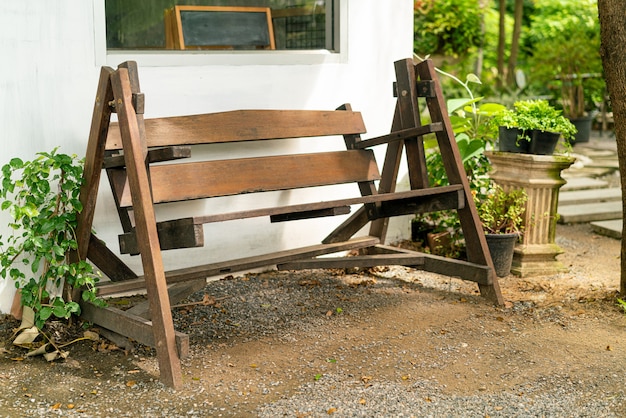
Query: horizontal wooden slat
x,y
452,197
366,261
244,125
241,264
186,181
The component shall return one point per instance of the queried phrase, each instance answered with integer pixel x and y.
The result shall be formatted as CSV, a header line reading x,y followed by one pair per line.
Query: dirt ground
x,y
566,326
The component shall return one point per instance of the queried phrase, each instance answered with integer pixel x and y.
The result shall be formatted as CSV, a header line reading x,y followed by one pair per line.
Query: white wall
x,y
51,54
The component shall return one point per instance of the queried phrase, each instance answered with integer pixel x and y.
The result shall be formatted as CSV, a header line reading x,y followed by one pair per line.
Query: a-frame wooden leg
x,y
94,158
476,244
135,153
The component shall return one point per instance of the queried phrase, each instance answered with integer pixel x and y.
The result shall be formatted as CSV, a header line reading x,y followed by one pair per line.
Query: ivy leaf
x,y
16,163
45,313
30,210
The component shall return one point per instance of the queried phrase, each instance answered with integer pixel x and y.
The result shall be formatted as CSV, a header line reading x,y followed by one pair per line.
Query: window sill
x,y
168,58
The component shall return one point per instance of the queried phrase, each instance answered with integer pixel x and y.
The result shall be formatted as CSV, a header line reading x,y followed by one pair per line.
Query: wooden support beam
x,y
241,264
131,326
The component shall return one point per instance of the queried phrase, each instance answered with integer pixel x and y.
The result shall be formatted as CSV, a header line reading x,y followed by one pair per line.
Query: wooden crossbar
x,y
244,125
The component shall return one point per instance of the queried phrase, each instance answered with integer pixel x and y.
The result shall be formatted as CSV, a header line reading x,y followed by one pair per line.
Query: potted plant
x,y
501,213
537,127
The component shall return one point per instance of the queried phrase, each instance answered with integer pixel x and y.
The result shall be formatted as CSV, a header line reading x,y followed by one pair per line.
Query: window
x,y
293,24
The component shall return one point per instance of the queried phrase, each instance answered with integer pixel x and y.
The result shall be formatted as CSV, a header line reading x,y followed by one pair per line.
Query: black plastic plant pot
x,y
508,140
543,142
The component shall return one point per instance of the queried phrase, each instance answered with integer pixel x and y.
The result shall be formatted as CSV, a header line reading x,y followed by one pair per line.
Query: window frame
x,y
171,58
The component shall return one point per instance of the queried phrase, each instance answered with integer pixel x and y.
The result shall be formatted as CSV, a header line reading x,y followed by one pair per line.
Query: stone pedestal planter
x,y
540,176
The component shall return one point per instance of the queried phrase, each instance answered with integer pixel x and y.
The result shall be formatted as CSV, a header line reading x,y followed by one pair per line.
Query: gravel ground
x,y
394,342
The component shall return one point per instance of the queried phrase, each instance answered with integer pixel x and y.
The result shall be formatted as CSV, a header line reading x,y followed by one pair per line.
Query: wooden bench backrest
x,y
195,180
244,125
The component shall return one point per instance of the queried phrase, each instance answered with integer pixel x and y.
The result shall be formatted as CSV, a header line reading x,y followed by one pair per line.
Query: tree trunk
x,y
501,43
517,30
612,15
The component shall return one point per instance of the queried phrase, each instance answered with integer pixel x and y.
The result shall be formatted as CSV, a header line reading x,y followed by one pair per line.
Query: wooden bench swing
x,y
127,152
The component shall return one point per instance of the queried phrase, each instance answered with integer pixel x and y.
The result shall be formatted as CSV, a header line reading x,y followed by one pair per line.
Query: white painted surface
x,y
51,53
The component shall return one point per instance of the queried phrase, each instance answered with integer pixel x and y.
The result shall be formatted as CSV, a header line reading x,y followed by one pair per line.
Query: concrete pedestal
x,y
540,176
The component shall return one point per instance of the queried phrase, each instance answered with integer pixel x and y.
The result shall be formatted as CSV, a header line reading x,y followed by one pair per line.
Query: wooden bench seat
x,y
156,161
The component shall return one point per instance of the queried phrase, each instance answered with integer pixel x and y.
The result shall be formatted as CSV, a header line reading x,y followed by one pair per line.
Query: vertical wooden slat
x,y
135,153
409,114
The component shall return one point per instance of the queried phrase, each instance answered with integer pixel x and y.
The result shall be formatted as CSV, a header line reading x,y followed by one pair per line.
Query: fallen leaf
x,y
609,348
329,314
56,406
70,406
366,379
39,351
362,401
26,336
331,411
131,383
90,335
406,377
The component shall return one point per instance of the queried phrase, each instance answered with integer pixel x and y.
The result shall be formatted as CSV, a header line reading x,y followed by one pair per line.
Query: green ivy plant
x,y
42,198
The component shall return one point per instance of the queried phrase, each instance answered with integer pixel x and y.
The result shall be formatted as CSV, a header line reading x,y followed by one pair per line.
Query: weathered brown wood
x,y
117,182
476,244
387,184
186,181
400,135
481,274
245,125
409,260
178,233
308,214
132,326
241,264
109,263
409,113
94,157
135,153
407,197
155,155
138,187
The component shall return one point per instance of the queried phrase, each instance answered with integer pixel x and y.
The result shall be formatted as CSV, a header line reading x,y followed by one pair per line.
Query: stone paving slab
x,y
590,212
583,183
612,228
574,197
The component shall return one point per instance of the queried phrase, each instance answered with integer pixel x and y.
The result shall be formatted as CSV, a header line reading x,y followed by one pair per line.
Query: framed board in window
x,y
215,27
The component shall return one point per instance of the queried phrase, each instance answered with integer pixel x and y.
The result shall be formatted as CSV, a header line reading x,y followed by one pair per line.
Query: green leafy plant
x,y
501,211
451,27
563,42
622,303
42,198
529,115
